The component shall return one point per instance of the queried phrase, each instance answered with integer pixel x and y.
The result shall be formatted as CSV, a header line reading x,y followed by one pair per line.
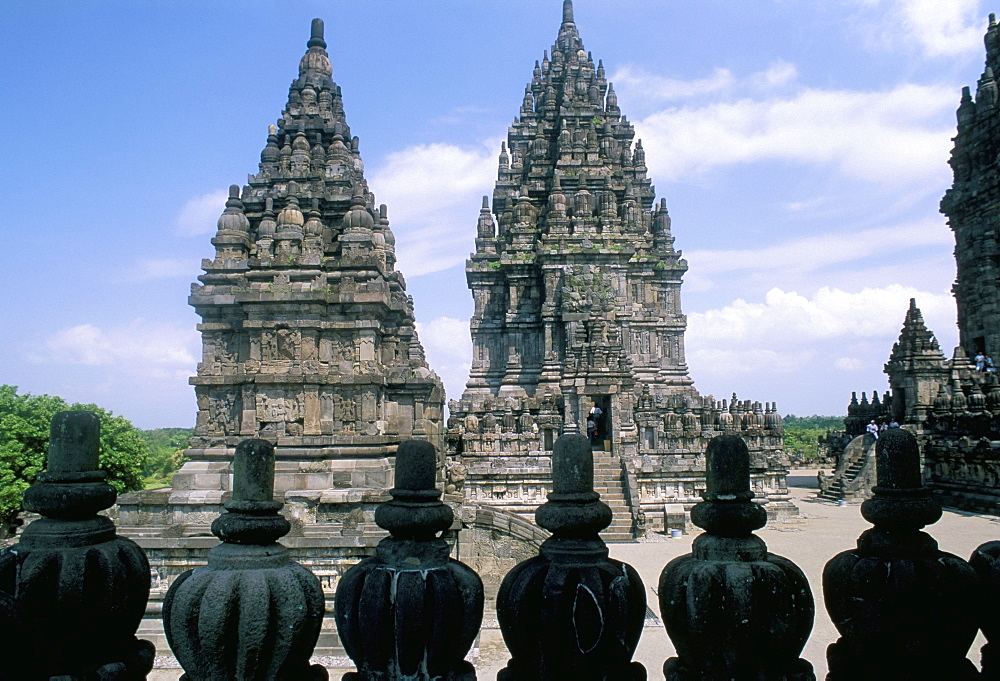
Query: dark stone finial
x,y
904,609
253,471
410,611
210,628
730,599
74,442
78,590
581,623
316,34
567,11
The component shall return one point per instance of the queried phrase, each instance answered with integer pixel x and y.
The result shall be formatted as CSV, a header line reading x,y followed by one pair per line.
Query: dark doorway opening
x,y
599,420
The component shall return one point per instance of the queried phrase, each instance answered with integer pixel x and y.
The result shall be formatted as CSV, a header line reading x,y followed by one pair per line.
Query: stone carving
x,y
904,609
582,622
221,619
79,589
729,600
390,608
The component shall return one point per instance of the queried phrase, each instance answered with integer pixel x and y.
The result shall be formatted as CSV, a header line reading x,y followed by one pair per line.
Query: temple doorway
x,y
599,413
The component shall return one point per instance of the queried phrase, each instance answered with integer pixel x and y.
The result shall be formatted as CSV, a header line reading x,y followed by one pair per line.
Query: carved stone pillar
x,y
252,613
571,612
904,609
411,612
733,610
80,590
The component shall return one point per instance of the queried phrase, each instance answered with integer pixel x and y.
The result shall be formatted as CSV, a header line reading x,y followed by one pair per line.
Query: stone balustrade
x,y
72,592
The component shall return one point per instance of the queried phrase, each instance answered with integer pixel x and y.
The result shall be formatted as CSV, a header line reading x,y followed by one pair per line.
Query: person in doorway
x,y
988,363
980,360
591,429
595,415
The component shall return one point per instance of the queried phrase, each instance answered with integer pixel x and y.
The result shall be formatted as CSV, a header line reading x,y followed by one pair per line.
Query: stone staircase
x,y
854,477
608,483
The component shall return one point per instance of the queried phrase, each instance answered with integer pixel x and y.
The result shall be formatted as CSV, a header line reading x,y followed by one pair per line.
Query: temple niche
x,y
576,285
308,335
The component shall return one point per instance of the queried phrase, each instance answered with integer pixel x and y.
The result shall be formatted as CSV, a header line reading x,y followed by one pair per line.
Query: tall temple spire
x,y
577,288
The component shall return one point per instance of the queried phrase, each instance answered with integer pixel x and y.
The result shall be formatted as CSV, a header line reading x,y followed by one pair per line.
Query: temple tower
x,y
973,208
576,285
916,368
307,331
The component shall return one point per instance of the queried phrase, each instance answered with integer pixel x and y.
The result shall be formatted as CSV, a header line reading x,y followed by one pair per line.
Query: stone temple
x,y
576,284
953,405
308,341
307,332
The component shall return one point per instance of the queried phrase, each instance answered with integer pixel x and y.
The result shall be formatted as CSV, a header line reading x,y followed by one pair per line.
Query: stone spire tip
x,y
567,11
316,36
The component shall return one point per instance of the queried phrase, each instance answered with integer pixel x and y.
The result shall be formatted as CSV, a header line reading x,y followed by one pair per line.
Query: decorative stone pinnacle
x,y
316,37
390,607
574,509
904,609
728,509
581,622
252,515
567,11
729,598
415,511
72,486
900,501
212,630
72,578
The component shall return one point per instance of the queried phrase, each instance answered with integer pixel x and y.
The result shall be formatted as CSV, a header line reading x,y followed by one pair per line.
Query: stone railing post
x,y
905,610
79,590
985,561
733,610
252,613
571,612
410,612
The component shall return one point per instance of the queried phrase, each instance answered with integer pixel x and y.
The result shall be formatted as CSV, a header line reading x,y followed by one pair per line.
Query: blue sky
x,y
801,146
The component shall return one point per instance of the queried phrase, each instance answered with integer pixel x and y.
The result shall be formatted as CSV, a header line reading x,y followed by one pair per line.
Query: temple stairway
x,y
608,483
854,476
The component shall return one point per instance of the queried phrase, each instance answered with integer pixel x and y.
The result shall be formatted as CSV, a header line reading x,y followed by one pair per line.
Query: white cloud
x,y
200,214
888,137
848,363
434,192
448,346
812,253
809,352
788,319
140,348
939,28
664,88
778,74
152,269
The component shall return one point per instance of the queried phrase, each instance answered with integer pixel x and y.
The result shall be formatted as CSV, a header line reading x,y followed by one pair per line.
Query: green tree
x,y
802,433
24,442
166,454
